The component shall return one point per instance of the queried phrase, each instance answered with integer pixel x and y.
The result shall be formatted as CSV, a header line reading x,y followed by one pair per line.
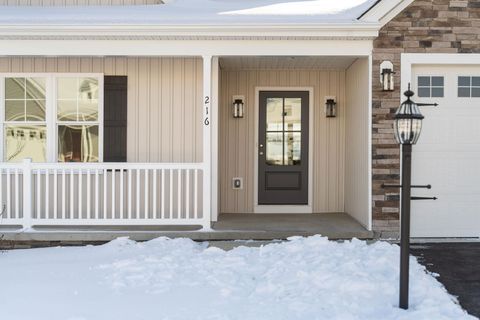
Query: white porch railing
x,y
55,194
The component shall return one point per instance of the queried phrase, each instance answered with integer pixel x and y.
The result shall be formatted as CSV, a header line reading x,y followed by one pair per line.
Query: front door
x,y
283,148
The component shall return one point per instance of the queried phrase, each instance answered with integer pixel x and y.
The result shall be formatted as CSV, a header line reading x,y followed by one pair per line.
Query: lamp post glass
x,y
408,121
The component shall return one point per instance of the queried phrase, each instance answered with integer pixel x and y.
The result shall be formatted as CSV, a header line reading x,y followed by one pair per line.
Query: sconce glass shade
x,y
387,79
330,108
408,121
238,108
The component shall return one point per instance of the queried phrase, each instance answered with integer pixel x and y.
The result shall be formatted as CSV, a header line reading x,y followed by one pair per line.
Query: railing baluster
x,y
47,194
187,195
154,215
72,177
195,195
114,191
105,193
171,193
121,194
163,194
9,194
38,194
129,194
17,194
97,194
179,195
137,214
146,192
80,193
64,191
89,194
55,195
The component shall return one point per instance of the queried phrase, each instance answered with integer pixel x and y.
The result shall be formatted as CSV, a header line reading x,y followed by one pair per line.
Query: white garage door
x,y
447,155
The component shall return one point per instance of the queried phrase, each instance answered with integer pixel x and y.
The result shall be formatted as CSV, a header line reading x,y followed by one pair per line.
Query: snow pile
x,y
304,278
195,12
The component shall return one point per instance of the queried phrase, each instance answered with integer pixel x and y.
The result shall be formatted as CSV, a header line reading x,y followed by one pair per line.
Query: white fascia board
x,y
185,47
385,10
325,30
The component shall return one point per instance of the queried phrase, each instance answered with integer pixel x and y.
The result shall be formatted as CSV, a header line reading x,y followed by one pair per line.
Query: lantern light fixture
x,y
238,106
386,76
408,121
330,107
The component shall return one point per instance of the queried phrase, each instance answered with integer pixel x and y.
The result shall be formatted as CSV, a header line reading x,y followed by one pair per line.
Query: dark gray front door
x,y
283,148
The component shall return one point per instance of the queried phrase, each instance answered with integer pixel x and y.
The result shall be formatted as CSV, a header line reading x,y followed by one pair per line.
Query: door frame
x,y
308,208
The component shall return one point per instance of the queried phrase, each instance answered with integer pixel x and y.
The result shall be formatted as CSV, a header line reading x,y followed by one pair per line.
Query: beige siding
x,y
164,101
236,138
76,2
357,140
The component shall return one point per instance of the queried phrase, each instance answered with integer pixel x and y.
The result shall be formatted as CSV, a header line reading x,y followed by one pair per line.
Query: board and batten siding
x,y
64,3
164,100
357,155
237,140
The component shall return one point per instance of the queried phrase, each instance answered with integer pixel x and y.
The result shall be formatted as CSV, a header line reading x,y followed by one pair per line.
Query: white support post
x,y
207,143
27,193
214,130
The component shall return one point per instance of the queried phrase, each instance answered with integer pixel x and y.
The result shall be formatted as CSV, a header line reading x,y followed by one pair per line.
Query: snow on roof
x,y
195,12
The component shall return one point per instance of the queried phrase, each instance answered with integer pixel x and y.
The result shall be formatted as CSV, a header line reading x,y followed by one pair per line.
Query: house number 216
x,y
207,102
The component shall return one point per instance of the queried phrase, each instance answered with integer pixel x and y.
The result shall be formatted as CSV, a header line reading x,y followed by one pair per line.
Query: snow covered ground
x,y
304,278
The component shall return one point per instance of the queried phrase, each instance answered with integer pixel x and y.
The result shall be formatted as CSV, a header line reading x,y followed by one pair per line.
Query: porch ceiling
x,y
286,62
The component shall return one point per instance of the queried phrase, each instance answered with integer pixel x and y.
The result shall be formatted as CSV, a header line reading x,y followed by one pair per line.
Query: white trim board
x,y
35,48
284,208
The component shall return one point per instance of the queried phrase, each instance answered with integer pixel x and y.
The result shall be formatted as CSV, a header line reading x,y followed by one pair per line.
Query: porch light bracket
x,y
423,198
427,186
386,76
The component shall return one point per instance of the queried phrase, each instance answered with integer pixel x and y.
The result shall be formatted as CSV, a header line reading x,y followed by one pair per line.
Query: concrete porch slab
x,y
230,227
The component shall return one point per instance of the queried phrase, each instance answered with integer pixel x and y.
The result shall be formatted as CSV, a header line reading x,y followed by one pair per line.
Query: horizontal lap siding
x,y
76,2
236,138
164,101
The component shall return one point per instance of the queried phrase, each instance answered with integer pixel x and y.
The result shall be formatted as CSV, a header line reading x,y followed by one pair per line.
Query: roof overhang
x,y
355,30
384,10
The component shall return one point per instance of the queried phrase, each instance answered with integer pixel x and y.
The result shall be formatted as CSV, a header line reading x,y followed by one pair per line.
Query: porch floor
x,y
281,226
229,227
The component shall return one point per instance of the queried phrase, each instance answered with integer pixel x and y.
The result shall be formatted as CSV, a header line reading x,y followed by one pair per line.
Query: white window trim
x,y
51,110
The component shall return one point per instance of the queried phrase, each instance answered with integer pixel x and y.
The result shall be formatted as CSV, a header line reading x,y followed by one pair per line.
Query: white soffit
x,y
286,63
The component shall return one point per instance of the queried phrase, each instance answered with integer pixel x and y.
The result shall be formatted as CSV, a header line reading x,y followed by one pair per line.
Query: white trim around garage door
x,y
285,208
408,60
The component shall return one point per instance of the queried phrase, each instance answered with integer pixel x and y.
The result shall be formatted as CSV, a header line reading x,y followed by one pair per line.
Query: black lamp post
x,y
407,128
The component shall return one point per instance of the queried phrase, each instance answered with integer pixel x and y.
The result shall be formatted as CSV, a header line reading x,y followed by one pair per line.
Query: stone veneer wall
x,y
436,26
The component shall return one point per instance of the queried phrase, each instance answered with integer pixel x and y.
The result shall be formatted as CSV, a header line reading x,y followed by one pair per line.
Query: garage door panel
x,y
447,156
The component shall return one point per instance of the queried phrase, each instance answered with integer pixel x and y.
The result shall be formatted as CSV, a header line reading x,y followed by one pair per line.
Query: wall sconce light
x,y
386,76
238,106
330,107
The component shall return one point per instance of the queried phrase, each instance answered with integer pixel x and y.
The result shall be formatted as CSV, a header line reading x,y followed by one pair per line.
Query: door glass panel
x,y
14,110
293,114
274,114
292,148
274,148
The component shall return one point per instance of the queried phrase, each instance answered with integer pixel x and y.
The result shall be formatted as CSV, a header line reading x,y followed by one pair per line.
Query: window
x,y
51,117
25,119
468,87
77,119
430,86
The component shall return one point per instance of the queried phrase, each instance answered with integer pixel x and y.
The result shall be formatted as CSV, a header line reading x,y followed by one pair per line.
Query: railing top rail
x,y
103,165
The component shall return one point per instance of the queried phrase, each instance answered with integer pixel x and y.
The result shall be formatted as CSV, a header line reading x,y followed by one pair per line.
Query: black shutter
x,y
115,119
